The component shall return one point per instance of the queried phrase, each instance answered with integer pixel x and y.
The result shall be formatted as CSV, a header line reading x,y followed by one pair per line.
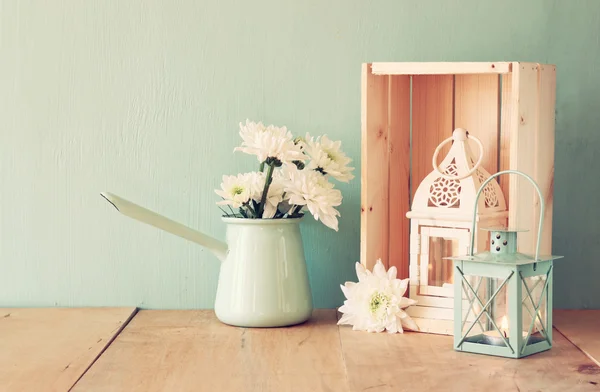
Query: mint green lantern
x,y
503,299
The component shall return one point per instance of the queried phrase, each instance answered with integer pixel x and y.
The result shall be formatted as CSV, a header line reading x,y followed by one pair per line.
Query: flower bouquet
x,y
293,176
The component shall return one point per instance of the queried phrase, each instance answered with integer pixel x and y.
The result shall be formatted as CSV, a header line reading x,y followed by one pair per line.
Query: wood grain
x,y
425,362
193,351
582,328
476,109
399,173
50,349
524,104
432,120
374,228
506,122
544,145
441,68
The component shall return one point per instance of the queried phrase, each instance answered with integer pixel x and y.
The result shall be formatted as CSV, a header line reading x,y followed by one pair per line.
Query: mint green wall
x,y
142,98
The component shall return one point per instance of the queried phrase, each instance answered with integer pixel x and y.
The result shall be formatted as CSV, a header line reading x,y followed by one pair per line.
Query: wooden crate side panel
x,y
506,122
476,109
432,122
524,126
399,172
544,164
374,233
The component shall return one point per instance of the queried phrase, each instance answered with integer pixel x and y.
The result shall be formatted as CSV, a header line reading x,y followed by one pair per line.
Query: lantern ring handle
x,y
446,176
542,208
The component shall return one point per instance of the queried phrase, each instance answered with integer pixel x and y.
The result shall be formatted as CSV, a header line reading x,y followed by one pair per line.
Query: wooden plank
x,y
524,103
434,326
425,362
441,68
544,151
506,122
582,328
476,100
374,228
432,121
399,173
50,349
193,351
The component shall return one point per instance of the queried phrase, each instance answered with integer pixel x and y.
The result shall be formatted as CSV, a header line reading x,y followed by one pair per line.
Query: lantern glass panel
x,y
481,329
534,301
440,270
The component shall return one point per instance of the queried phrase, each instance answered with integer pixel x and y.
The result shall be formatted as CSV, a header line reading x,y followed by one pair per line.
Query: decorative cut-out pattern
x,y
444,192
489,194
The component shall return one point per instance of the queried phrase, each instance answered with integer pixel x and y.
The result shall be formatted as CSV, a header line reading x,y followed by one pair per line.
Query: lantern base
x,y
535,346
497,341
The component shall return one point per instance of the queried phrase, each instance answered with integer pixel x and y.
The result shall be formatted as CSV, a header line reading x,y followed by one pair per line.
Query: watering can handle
x,y
542,208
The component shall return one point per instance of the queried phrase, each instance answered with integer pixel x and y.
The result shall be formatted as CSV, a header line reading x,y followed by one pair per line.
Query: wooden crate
x,y
409,108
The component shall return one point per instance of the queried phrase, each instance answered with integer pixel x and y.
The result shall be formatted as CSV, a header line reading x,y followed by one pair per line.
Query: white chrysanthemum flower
x,y
274,194
256,181
327,157
272,142
311,189
235,190
376,302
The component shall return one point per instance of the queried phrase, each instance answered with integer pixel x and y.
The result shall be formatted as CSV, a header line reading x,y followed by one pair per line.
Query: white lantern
x,y
441,217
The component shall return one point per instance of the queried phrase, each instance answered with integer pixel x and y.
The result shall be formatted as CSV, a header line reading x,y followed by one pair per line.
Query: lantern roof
x,y
504,258
505,250
504,229
448,192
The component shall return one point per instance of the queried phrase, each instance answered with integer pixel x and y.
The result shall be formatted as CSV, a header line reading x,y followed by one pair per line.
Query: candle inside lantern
x,y
494,338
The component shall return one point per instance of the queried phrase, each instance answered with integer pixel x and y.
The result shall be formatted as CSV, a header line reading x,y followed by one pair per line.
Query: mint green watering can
x,y
263,281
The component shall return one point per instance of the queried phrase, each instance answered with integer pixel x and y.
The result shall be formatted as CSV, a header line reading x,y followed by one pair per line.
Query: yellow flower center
x,y
237,190
378,300
331,155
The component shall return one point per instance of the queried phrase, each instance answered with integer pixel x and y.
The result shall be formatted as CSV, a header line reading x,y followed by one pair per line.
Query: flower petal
x,y
379,270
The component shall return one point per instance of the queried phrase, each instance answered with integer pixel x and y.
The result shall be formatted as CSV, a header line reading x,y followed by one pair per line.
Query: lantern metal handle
x,y
542,208
448,177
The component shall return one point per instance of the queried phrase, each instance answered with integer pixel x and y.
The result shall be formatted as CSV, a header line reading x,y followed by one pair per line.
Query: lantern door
x,y
436,275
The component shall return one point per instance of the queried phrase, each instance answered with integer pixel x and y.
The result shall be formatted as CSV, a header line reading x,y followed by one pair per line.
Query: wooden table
x,y
50,349
192,351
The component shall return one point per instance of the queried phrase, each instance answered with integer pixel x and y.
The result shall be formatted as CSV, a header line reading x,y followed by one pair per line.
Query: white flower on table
x,y
311,189
327,157
269,143
376,302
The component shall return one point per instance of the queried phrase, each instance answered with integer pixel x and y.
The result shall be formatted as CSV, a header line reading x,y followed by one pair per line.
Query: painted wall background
x,y
143,98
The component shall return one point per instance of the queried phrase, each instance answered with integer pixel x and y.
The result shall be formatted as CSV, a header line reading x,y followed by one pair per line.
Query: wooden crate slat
x,y
522,148
476,109
399,172
441,68
506,121
433,122
544,164
374,168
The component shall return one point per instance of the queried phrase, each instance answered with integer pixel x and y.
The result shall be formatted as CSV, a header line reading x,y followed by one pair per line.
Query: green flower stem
x,y
261,168
295,210
224,212
263,199
232,212
250,209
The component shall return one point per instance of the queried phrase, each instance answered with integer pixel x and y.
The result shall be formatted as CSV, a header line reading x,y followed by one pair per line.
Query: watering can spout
x,y
125,207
